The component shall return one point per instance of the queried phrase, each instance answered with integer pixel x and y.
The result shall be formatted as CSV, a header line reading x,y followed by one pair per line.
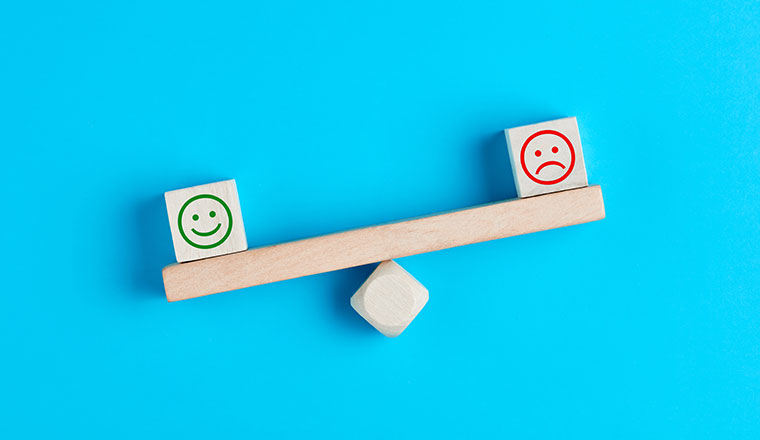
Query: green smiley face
x,y
205,221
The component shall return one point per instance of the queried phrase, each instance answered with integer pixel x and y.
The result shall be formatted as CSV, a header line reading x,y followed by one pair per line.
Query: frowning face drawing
x,y
547,157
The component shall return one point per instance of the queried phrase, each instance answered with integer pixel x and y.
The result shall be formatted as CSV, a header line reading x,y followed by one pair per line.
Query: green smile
x,y
183,228
206,234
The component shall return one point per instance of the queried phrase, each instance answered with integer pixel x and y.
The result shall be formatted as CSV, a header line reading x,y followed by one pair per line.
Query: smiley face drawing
x,y
205,221
547,157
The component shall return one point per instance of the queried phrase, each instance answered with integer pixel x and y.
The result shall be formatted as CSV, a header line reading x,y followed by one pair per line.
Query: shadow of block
x,y
346,283
153,249
500,184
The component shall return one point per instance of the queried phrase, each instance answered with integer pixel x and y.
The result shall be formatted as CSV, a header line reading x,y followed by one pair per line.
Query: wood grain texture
x,y
390,299
383,242
199,215
541,150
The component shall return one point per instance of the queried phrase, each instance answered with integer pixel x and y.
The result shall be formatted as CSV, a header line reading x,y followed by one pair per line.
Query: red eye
x,y
538,153
555,150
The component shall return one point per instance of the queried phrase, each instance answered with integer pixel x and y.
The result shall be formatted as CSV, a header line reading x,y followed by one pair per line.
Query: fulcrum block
x,y
390,298
206,221
546,157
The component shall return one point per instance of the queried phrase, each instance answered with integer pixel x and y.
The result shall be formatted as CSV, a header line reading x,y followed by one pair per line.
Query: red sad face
x,y
547,157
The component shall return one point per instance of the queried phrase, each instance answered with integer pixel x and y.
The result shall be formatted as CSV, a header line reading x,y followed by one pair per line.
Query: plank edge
x,y
169,270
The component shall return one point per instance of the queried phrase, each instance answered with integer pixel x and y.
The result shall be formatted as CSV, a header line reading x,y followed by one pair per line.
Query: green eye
x,y
195,217
212,214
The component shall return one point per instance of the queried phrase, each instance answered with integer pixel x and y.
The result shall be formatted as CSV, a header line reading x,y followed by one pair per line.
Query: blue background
x,y
334,115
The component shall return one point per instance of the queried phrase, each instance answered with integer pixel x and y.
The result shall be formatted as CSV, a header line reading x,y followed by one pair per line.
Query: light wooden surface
x,y
552,159
390,298
383,242
206,221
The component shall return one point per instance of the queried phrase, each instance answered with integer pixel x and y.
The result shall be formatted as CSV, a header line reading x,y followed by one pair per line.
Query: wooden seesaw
x,y
382,242
552,186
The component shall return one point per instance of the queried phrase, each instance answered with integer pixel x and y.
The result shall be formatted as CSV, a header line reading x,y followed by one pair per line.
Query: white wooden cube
x,y
206,221
390,298
546,157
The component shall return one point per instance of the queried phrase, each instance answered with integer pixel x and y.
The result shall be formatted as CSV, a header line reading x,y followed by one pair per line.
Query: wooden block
x,y
390,299
206,221
546,157
383,242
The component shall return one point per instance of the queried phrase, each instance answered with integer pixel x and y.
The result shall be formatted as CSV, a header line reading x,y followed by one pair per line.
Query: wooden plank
x,y
383,242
